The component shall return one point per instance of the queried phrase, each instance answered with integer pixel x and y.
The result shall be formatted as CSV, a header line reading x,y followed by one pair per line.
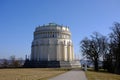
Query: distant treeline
x,y
11,63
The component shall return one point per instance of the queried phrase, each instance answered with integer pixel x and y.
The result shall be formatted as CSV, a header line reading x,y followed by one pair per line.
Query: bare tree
x,y
94,48
12,60
115,46
4,63
20,62
15,62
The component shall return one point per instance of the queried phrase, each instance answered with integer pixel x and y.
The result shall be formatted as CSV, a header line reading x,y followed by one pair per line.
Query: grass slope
x,y
92,75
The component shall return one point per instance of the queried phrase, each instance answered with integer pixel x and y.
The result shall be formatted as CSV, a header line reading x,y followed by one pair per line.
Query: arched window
x,y
53,35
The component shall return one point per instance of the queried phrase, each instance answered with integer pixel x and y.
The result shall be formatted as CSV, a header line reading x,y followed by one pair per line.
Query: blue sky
x,y
19,18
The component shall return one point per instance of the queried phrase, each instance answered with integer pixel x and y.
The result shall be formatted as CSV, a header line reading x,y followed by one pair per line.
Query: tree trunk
x,y
117,67
96,65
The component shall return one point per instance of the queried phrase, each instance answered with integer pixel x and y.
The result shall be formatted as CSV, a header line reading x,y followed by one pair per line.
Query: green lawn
x,y
102,75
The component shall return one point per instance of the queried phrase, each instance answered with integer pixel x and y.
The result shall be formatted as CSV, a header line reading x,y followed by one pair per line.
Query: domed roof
x,y
52,25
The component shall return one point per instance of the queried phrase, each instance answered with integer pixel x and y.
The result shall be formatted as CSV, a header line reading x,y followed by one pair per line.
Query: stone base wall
x,y
47,64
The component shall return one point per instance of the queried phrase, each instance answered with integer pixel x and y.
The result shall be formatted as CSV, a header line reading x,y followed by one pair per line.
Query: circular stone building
x,y
52,42
51,47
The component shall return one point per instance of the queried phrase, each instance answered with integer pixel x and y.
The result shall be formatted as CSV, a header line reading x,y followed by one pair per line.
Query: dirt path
x,y
71,75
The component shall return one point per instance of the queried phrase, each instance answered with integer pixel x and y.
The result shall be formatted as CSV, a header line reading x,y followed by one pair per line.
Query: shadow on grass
x,y
100,70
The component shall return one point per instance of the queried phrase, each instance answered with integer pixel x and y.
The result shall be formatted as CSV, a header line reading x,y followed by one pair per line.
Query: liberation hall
x,y
52,47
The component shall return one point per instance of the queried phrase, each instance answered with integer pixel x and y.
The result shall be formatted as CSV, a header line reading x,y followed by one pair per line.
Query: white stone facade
x,y
52,42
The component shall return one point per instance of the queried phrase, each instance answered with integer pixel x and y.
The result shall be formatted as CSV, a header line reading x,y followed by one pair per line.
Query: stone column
x,y
72,51
68,52
39,52
63,52
47,34
32,52
57,51
35,51
60,52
